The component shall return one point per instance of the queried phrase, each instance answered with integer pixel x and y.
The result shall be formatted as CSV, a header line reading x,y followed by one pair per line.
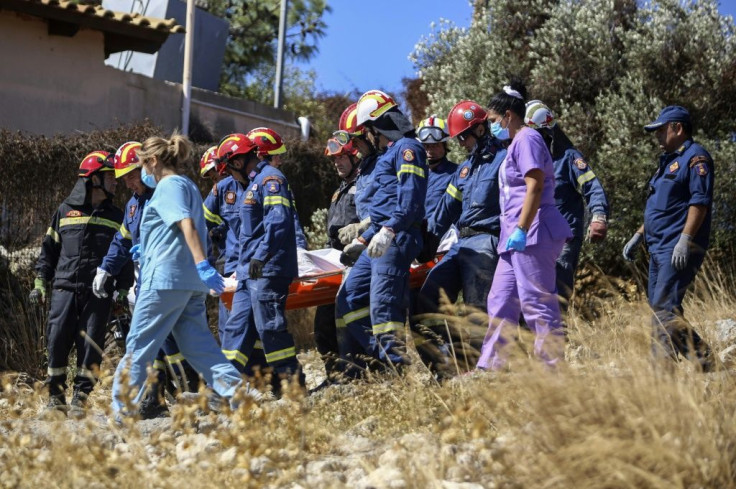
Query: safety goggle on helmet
x,y
432,130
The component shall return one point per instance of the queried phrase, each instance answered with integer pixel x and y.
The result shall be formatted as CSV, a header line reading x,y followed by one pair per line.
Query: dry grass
x,y
605,419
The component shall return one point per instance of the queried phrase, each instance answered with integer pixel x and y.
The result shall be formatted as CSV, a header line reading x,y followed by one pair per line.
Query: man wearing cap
x,y
676,228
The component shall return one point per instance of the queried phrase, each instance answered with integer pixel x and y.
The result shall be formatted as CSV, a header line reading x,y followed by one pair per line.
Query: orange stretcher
x,y
316,290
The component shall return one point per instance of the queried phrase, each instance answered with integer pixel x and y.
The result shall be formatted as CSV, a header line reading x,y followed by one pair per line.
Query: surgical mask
x,y
500,133
147,178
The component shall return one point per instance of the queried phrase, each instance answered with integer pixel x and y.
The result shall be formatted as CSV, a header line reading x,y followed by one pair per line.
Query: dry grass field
x,y
607,418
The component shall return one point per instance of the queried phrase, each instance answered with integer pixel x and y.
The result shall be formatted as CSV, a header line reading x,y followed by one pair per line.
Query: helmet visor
x,y
431,134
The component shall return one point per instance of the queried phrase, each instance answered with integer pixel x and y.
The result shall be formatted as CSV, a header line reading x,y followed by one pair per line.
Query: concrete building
x,y
54,77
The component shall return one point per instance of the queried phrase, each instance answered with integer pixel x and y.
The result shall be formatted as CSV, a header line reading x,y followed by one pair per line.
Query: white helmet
x,y
539,116
372,105
432,130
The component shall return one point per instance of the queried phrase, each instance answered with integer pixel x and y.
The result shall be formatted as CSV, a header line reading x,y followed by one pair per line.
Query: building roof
x,y
123,31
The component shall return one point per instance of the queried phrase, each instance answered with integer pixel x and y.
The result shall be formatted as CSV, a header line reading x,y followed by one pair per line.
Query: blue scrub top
x,y
166,262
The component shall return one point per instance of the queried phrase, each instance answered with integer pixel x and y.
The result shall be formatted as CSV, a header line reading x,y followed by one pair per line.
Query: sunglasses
x,y
430,134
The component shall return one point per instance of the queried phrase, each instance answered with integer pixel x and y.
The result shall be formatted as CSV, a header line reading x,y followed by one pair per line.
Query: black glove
x,y
38,294
218,233
255,268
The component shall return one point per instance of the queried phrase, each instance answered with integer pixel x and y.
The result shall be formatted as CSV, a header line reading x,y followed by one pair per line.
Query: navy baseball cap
x,y
671,113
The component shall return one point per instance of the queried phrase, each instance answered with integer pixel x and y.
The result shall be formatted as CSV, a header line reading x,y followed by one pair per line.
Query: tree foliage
x,y
252,41
606,68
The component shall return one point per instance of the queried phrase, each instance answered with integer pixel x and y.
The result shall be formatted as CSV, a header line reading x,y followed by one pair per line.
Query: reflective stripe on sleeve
x,y
406,168
53,235
124,232
211,216
585,178
276,200
455,192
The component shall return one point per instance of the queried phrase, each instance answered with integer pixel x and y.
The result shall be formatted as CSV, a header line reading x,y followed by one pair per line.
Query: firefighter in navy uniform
x,y
575,187
432,133
471,202
677,222
79,236
341,213
222,213
372,304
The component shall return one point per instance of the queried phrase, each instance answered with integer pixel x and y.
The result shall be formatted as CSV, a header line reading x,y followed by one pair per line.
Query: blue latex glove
x,y
517,240
210,277
135,252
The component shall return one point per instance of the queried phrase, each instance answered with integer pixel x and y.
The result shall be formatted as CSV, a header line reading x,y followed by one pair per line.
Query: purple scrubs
x,y
524,281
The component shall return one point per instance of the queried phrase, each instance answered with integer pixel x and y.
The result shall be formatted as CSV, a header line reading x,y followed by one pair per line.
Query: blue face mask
x,y
147,178
500,133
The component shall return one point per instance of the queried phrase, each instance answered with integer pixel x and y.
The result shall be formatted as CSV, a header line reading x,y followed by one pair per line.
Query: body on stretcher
x,y
320,288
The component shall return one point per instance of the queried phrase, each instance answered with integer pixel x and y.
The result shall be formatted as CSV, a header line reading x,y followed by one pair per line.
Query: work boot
x,y
152,408
78,406
57,403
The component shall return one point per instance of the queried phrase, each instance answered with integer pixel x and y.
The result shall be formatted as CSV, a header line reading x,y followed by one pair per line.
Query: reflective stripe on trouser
x,y
239,336
76,319
268,297
352,318
181,313
524,282
671,334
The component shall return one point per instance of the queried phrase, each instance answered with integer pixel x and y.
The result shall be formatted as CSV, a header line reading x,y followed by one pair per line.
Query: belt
x,y
467,232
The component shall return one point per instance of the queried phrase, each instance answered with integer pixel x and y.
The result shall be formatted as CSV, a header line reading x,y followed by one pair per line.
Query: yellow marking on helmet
x,y
380,99
128,148
265,135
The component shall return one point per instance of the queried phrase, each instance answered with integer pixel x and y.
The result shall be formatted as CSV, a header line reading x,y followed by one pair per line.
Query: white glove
x,y
380,242
681,253
348,233
98,284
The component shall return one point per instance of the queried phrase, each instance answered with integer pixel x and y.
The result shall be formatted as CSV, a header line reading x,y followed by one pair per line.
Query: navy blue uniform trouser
x,y
566,266
666,290
325,335
468,266
372,304
76,319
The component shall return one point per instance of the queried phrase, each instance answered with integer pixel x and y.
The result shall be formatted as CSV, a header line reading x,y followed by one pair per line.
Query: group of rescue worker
x,y
497,213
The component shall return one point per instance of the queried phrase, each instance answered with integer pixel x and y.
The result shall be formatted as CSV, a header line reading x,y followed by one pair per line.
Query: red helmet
x,y
269,142
126,158
349,121
94,162
372,105
234,145
209,162
465,115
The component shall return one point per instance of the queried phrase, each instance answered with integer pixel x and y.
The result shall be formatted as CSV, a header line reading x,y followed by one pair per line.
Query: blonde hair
x,y
171,153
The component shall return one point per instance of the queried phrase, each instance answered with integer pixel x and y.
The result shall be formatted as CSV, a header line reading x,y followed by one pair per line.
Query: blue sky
x,y
391,28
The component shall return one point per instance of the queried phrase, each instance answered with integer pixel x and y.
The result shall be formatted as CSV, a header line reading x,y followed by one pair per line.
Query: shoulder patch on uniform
x,y
131,211
214,190
702,169
408,155
249,198
464,172
334,196
230,197
254,187
697,159
273,178
73,213
273,186
674,167
581,164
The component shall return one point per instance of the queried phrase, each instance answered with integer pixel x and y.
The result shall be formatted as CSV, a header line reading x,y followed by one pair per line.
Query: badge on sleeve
x,y
702,169
254,187
464,172
249,198
334,196
74,213
273,186
408,155
131,211
581,164
674,167
230,197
